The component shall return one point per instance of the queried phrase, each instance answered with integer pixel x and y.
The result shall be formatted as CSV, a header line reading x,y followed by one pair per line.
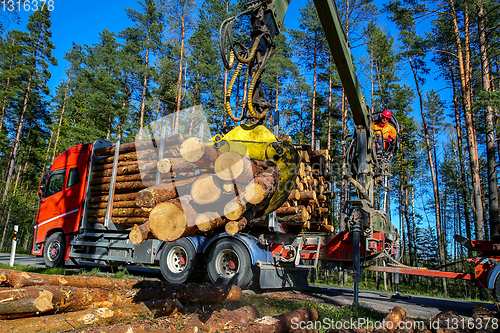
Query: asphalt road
x,y
415,306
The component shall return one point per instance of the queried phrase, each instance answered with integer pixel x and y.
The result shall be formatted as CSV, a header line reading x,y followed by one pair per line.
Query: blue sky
x,y
81,23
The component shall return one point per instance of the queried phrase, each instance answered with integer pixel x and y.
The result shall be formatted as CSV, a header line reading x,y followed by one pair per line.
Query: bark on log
x,y
294,195
205,190
126,221
17,303
219,321
306,196
234,227
173,219
107,166
140,233
123,169
261,186
280,323
191,293
167,165
128,147
119,212
231,166
79,319
483,318
116,204
117,197
19,279
196,151
396,316
297,219
123,178
234,209
132,156
132,186
209,221
163,192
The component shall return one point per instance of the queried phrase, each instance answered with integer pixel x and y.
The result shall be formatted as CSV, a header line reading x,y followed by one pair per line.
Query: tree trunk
x,y
490,129
437,210
126,221
15,147
471,139
179,78
60,122
463,175
144,88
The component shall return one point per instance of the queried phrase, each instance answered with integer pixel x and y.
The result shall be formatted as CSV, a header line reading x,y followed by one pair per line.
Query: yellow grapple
x,y
256,141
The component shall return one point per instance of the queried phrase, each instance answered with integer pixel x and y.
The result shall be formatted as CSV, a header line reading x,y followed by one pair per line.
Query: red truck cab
x,y
62,193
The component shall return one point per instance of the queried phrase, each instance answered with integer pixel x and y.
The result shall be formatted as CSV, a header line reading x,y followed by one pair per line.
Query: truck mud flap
x,y
273,276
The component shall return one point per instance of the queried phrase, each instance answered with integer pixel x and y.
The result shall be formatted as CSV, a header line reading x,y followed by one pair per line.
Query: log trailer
x,y
270,255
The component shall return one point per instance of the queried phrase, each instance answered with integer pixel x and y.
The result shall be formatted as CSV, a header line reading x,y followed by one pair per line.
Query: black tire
x,y
496,289
229,263
54,250
178,261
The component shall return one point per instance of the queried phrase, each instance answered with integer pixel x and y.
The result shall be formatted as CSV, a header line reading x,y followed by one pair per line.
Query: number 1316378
x,y
26,5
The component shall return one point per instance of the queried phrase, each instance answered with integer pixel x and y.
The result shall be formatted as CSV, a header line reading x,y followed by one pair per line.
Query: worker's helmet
x,y
387,114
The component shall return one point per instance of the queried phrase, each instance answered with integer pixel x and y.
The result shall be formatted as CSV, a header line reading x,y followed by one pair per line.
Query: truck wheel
x,y
229,263
496,289
54,250
178,261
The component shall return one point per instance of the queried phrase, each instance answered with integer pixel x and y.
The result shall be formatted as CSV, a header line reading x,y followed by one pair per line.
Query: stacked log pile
x,y
307,204
202,189
482,320
31,302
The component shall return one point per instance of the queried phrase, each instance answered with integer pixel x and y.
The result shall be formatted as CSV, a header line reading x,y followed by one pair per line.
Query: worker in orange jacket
x,y
385,132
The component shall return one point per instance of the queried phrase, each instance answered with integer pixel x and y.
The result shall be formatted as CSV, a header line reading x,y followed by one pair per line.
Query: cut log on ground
x,y
79,319
18,279
163,192
173,219
17,303
196,151
140,233
191,293
206,190
280,323
219,321
394,318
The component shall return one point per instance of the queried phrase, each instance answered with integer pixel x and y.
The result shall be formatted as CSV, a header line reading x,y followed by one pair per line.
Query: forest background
x,y
166,59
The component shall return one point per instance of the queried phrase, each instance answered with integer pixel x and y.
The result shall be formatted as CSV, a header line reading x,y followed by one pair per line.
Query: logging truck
x,y
242,207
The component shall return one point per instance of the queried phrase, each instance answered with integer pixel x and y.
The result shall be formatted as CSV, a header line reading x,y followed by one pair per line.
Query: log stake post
x,y
108,224
14,244
160,153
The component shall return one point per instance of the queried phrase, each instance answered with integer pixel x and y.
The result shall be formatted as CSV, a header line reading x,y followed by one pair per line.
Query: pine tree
x,y
37,52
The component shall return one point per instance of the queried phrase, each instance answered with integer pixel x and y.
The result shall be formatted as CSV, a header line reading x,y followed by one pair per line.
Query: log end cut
x,y
167,221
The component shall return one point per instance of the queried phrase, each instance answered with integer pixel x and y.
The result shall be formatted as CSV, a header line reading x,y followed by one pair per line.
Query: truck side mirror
x,y
41,190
